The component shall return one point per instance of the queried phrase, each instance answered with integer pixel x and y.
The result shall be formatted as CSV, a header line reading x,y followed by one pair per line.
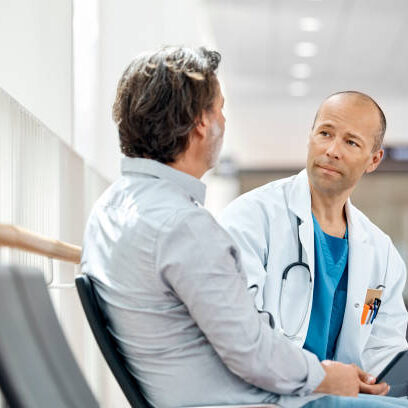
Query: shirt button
x,y
356,305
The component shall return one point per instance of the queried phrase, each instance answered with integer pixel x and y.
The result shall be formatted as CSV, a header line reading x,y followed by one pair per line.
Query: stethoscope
x,y
285,274
298,263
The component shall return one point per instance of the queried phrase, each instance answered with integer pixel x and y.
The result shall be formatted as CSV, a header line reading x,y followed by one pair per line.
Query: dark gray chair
x,y
37,367
107,344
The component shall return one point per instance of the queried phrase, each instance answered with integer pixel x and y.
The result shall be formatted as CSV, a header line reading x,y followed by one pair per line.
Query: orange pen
x,y
364,314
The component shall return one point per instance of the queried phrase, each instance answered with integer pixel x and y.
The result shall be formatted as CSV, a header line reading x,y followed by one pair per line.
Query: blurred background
x,y
60,62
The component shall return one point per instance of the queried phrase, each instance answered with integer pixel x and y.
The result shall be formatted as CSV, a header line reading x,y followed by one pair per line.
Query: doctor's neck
x,y
329,211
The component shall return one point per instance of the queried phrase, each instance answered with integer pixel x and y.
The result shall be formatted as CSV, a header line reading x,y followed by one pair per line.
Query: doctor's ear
x,y
375,160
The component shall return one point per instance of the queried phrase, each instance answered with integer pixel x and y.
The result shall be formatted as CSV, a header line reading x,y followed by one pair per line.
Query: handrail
x,y
16,237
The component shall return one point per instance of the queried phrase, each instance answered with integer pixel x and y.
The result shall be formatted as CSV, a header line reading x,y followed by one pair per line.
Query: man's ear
x,y
202,123
375,161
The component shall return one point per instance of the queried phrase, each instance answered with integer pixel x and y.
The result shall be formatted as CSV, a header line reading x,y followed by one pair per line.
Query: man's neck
x,y
188,164
329,211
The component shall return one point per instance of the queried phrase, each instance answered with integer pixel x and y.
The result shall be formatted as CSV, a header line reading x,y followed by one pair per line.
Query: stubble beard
x,y
216,144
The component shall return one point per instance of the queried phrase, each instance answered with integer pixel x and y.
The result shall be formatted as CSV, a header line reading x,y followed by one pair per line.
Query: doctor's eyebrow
x,y
357,137
325,125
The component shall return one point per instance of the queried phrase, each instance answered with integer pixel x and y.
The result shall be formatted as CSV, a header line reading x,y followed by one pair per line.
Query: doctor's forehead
x,y
350,101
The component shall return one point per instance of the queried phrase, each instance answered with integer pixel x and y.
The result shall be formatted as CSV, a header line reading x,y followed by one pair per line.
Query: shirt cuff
x,y
315,376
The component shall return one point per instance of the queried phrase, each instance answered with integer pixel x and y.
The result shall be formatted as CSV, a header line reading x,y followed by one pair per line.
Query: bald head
x,y
360,98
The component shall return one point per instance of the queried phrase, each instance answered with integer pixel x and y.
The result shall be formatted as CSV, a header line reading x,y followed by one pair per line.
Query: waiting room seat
x,y
37,367
106,342
96,320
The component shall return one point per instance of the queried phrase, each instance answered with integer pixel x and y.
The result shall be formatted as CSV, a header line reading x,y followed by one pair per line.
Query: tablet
x,y
396,375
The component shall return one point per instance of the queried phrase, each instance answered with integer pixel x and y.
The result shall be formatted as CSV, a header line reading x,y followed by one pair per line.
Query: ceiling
x,y
360,45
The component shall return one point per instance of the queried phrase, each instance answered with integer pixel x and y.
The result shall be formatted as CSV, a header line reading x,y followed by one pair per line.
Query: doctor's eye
x,y
324,133
352,143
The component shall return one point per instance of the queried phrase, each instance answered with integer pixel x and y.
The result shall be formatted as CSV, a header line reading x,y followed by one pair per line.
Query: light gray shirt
x,y
171,285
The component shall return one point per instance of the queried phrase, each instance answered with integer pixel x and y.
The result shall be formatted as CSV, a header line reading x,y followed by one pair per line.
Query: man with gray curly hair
x,y
168,276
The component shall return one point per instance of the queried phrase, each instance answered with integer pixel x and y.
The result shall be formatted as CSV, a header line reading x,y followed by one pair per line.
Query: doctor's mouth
x,y
329,169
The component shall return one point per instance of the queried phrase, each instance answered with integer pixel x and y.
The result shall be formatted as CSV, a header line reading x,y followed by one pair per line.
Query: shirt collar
x,y
192,185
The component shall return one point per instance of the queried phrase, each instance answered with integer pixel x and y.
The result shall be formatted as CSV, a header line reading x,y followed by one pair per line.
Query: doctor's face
x,y
341,144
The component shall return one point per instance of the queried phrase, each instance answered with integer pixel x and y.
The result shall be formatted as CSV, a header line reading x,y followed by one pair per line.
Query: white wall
x,y
36,59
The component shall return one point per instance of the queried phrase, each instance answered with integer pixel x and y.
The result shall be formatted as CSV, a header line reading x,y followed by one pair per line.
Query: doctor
x,y
342,260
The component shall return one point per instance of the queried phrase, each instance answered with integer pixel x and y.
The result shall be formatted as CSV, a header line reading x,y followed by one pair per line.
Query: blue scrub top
x,y
330,293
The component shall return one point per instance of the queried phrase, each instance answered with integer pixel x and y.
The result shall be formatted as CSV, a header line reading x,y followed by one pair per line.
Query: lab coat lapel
x,y
360,260
299,202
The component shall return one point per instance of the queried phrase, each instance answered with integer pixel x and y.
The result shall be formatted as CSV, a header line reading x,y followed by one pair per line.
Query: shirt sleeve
x,y
388,334
248,224
199,264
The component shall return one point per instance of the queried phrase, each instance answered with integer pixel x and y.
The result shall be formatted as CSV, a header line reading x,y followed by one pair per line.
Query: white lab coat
x,y
263,223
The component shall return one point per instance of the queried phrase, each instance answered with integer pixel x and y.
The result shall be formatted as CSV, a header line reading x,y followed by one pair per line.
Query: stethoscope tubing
x,y
283,284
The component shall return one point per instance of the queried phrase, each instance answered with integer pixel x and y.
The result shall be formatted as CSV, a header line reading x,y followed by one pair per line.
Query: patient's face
x,y
216,129
341,144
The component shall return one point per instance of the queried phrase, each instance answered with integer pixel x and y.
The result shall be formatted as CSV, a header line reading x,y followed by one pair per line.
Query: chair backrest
x,y
37,367
107,344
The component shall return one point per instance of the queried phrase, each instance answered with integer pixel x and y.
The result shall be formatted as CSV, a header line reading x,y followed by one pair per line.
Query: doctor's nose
x,y
333,150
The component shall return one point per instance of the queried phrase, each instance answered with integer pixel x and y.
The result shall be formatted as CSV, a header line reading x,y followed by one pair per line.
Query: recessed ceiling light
x,y
309,24
301,71
298,88
306,49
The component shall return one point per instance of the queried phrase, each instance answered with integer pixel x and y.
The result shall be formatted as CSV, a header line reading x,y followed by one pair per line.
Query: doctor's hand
x,y
368,385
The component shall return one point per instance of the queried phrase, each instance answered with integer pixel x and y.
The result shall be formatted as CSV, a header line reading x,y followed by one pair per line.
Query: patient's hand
x,y
349,380
368,385
341,379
